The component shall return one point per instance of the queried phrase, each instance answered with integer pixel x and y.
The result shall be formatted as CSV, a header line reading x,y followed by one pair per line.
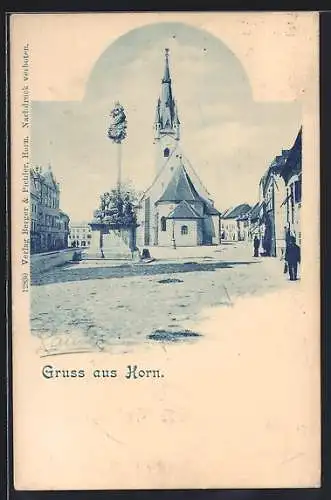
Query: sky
x,y
229,139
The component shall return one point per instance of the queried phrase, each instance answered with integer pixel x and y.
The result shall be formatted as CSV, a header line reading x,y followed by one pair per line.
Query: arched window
x,y
166,152
163,224
184,230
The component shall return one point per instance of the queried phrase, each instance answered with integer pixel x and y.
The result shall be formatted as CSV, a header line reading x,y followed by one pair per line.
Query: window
x,y
166,152
163,224
184,230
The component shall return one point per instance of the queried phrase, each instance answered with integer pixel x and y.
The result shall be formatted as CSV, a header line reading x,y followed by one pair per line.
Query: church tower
x,y
167,124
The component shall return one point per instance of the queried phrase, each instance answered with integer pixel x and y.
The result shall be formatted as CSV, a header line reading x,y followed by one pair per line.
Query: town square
x,y
165,240
149,262
111,305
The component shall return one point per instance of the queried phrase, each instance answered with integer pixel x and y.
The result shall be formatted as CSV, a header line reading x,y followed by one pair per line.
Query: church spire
x,y
166,76
166,119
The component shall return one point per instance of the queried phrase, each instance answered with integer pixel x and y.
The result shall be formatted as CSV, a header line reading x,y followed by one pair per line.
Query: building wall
x,y
165,146
191,236
200,234
80,235
236,229
243,230
283,204
293,206
194,234
49,226
209,233
190,239
229,228
164,237
216,229
280,192
269,237
254,229
279,216
145,233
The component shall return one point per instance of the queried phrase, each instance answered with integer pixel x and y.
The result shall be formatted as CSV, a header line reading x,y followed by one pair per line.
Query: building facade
x,y
272,193
176,210
49,225
80,234
280,201
292,177
253,218
235,223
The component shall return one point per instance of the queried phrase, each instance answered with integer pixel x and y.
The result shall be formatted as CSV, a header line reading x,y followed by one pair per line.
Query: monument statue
x,y
118,124
116,208
114,222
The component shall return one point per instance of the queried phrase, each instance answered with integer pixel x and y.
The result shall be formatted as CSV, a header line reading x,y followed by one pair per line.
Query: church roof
x,y
210,209
183,211
180,188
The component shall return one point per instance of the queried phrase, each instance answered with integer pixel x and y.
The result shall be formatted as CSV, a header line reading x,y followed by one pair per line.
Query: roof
x,y
180,188
83,223
293,164
210,209
183,211
237,211
46,176
223,214
275,167
63,214
255,211
49,177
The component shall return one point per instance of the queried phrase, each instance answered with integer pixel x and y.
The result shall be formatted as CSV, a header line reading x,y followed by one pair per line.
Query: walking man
x,y
293,258
256,244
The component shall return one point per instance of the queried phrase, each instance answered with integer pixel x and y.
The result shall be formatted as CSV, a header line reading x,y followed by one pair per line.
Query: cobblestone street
x,y
98,304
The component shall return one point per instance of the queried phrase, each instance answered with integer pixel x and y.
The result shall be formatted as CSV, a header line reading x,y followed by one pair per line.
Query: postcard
x,y
165,250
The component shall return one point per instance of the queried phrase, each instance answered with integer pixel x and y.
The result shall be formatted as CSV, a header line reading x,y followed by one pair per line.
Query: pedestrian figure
x,y
256,244
293,258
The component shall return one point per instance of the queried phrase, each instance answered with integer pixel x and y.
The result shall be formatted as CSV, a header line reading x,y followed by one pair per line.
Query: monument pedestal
x,y
94,248
111,241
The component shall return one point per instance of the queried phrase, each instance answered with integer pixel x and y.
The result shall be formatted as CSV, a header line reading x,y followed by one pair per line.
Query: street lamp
x,y
173,241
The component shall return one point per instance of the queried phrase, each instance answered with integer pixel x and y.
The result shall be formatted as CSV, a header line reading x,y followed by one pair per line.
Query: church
x,y
176,210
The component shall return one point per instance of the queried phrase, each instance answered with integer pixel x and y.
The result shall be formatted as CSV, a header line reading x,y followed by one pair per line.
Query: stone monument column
x,y
114,224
